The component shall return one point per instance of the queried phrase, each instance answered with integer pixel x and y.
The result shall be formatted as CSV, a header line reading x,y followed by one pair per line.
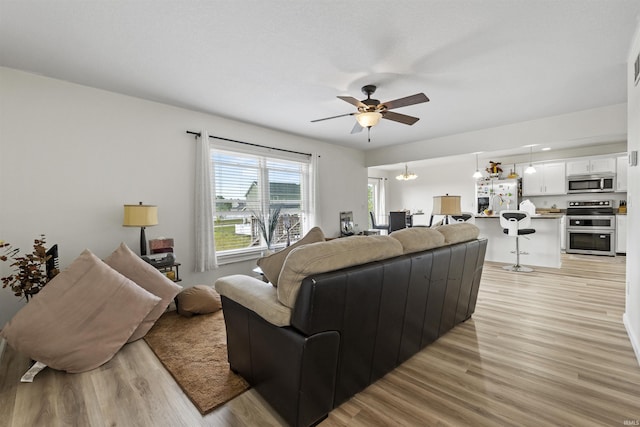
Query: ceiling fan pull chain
x,y
369,134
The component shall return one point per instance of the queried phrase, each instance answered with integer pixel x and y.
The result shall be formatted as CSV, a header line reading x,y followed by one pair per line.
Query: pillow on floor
x,y
199,299
272,265
148,277
81,318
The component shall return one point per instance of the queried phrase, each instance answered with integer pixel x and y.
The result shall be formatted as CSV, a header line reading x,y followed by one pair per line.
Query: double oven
x,y
591,227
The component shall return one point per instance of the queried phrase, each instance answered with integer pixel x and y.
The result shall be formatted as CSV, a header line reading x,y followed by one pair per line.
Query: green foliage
x,y
226,237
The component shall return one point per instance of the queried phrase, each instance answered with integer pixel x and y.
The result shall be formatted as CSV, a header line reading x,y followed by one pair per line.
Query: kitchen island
x,y
543,247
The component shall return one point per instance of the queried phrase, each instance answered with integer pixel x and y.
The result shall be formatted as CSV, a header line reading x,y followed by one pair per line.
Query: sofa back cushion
x,y
458,232
271,265
328,256
417,239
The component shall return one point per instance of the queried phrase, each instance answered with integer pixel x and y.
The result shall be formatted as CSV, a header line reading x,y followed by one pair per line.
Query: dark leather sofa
x,y
352,326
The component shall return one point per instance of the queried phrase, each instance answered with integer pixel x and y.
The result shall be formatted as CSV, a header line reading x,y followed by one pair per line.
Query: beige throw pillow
x,y
199,299
81,318
145,275
272,265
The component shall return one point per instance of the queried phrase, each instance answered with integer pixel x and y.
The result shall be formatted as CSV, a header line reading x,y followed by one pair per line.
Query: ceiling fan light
x,y
368,119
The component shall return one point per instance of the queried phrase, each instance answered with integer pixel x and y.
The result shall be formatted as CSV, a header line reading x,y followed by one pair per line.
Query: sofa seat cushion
x,y
328,256
418,239
459,232
272,265
256,295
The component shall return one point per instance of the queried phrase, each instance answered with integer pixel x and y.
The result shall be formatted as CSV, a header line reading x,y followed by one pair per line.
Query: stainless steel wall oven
x,y
591,228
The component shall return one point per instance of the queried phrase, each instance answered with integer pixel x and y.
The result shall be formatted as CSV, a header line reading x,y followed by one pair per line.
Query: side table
x,y
171,271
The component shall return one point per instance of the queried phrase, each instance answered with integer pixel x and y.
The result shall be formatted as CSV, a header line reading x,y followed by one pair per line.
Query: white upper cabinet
x,y
590,166
548,179
622,163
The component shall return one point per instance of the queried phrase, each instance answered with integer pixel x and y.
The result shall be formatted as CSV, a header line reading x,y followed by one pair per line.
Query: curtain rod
x,y
198,134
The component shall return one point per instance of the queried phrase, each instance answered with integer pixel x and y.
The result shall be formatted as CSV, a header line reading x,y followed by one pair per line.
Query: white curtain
x,y
313,192
205,244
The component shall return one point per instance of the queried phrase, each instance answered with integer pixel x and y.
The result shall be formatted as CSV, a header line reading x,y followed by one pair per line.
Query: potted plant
x,y
29,271
267,223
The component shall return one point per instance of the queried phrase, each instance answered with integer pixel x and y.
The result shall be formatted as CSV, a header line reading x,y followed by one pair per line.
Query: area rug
x,y
194,351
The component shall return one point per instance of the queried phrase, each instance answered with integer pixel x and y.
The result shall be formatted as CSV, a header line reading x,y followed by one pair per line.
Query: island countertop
x,y
536,216
542,247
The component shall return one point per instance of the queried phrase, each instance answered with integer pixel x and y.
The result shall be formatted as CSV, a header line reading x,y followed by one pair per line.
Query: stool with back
x,y
515,223
464,217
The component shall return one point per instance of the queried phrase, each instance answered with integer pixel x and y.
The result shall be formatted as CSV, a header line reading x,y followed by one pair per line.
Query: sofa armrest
x,y
257,296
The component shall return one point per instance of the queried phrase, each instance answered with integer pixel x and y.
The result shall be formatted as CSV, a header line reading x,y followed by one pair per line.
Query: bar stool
x,y
464,217
515,223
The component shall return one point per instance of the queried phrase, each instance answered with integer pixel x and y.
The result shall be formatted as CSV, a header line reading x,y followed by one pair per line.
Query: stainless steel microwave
x,y
601,183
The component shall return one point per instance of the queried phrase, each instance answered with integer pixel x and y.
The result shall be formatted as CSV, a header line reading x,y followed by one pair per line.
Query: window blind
x,y
255,192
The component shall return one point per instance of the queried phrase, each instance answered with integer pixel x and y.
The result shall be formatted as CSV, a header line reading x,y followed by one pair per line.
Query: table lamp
x,y
140,216
446,205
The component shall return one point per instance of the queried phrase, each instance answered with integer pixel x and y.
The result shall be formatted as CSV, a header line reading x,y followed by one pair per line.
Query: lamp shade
x,y
140,215
446,205
368,119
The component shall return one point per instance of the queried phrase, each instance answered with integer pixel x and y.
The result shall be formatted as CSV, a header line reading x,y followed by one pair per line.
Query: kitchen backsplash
x,y
561,201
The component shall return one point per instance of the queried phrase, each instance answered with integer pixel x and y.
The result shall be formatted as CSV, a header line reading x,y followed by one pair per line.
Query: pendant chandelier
x,y
406,176
477,174
530,169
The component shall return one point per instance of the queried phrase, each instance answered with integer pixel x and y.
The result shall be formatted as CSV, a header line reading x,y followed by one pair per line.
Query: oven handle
x,y
591,230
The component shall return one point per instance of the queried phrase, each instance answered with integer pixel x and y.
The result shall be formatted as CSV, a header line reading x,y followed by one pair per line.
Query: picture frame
x,y
346,223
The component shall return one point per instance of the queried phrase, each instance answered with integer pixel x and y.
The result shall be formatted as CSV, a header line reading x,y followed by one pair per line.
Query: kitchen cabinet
x,y
622,163
590,166
549,179
621,234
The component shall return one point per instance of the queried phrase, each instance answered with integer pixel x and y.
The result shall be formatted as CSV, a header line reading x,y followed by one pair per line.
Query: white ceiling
x,y
281,63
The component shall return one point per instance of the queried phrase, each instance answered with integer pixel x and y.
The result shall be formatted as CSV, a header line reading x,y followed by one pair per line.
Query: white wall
x,y
632,309
598,125
447,176
71,156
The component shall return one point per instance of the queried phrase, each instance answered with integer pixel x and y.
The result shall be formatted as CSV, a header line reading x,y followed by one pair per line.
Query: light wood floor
x,y
544,348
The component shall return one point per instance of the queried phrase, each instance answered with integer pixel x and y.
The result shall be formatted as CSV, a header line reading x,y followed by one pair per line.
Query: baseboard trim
x,y
632,336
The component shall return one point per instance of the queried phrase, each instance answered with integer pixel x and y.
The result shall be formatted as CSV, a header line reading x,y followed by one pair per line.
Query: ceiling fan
x,y
370,111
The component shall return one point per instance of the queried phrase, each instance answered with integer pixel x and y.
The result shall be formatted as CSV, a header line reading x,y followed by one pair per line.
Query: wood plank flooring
x,y
544,348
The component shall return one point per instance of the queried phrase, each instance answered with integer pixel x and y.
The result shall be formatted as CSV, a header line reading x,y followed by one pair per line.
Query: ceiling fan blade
x,y
333,117
401,118
418,98
351,100
356,128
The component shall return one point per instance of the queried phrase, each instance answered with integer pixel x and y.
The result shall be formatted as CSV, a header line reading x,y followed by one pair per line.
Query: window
x,y
253,188
376,199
